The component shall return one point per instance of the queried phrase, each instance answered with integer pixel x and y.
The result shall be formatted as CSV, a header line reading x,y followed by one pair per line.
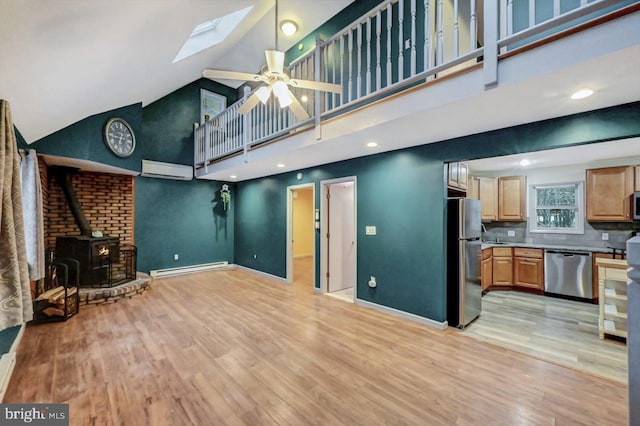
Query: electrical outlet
x,y
511,233
176,257
605,236
255,256
370,230
372,282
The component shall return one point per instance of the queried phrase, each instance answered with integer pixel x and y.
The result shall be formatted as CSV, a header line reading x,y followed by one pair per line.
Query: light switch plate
x,y
605,236
370,230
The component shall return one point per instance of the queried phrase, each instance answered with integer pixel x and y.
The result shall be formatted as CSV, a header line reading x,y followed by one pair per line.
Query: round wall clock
x,y
119,137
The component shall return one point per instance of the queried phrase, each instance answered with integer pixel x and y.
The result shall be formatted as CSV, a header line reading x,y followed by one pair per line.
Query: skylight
x,y
210,33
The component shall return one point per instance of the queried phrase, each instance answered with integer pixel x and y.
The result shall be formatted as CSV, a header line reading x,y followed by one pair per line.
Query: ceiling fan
x,y
276,82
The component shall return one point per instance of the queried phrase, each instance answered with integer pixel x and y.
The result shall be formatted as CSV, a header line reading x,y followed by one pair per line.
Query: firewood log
x,y
48,293
51,311
57,296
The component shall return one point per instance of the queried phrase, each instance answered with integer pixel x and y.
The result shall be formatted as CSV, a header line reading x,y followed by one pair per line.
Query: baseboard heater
x,y
188,269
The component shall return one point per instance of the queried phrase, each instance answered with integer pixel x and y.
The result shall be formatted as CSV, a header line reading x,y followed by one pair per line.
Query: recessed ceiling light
x,y
581,94
372,144
289,28
525,162
280,165
304,98
233,177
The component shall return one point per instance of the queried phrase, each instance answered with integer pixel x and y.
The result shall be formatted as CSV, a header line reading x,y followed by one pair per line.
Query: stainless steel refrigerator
x,y
464,258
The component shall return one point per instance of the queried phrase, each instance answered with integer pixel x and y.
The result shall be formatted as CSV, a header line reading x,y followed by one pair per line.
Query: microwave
x,y
636,206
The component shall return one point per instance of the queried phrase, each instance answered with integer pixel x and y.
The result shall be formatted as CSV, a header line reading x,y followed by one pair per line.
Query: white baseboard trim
x,y
188,269
264,274
402,314
8,363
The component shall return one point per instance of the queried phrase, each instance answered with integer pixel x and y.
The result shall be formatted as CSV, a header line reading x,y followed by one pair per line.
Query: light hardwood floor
x,y
553,329
231,347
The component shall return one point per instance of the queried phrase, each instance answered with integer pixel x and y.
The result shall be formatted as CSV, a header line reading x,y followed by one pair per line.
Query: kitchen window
x,y
557,208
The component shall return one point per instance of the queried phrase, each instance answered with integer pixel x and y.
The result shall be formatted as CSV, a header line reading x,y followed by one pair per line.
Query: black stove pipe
x,y
64,176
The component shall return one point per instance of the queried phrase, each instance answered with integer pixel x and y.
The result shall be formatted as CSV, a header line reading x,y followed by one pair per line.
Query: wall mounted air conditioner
x,y
156,169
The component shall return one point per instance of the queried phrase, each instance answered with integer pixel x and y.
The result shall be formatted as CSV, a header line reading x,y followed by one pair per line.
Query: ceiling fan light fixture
x,y
280,89
263,94
285,100
288,27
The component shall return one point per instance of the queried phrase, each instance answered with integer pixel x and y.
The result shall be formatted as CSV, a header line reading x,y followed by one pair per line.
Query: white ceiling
x,y
625,151
64,60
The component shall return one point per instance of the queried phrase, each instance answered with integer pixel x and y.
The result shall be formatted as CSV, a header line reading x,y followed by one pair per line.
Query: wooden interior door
x,y
341,256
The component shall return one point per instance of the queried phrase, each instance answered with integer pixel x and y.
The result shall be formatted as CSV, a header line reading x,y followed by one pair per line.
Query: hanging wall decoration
x,y
225,196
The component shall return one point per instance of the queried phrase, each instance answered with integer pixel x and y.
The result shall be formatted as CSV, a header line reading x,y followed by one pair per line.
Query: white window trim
x,y
579,229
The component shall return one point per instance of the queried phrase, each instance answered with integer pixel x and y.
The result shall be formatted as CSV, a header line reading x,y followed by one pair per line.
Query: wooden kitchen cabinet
x,y
637,173
612,290
528,268
486,268
457,176
473,188
502,265
609,192
512,198
488,191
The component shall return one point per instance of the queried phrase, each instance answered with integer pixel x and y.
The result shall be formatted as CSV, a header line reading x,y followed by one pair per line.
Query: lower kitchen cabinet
x,y
486,270
528,273
528,268
613,297
502,266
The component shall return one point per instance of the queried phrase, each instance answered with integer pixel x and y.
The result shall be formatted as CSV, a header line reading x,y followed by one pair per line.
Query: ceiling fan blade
x,y
231,75
275,61
249,104
297,108
316,85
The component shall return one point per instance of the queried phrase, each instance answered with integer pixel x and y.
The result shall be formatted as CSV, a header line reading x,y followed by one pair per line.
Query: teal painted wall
x,y
170,216
167,124
184,218
403,194
175,217
83,140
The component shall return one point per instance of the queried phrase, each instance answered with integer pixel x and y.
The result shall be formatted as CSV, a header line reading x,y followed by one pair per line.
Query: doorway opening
x,y
338,238
301,235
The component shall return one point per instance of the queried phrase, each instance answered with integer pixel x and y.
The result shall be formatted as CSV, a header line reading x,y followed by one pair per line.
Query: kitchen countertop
x,y
486,244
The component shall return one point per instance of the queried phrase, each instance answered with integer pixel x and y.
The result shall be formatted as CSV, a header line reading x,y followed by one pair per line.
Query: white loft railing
x,y
397,44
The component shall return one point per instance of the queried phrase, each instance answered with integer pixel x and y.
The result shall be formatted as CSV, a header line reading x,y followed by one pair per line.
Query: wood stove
x,y
96,255
100,260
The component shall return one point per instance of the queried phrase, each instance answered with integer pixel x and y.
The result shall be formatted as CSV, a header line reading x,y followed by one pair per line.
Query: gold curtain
x,y
15,295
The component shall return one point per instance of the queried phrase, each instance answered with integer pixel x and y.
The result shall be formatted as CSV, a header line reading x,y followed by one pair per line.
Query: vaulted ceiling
x,y
63,60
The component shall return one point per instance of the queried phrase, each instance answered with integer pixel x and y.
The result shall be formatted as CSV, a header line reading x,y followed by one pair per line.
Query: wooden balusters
x,y
368,74
389,27
427,39
378,33
400,40
413,38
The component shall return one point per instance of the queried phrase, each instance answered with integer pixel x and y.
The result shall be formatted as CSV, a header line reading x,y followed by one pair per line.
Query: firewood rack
x,y
56,298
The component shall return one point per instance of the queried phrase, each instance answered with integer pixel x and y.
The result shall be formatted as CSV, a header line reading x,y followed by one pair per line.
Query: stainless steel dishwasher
x,y
568,273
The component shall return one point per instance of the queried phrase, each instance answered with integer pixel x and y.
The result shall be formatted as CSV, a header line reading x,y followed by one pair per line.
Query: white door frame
x,y
290,190
324,247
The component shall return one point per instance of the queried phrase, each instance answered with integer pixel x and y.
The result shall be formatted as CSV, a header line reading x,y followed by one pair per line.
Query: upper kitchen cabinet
x,y
488,191
609,193
512,192
473,188
458,174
